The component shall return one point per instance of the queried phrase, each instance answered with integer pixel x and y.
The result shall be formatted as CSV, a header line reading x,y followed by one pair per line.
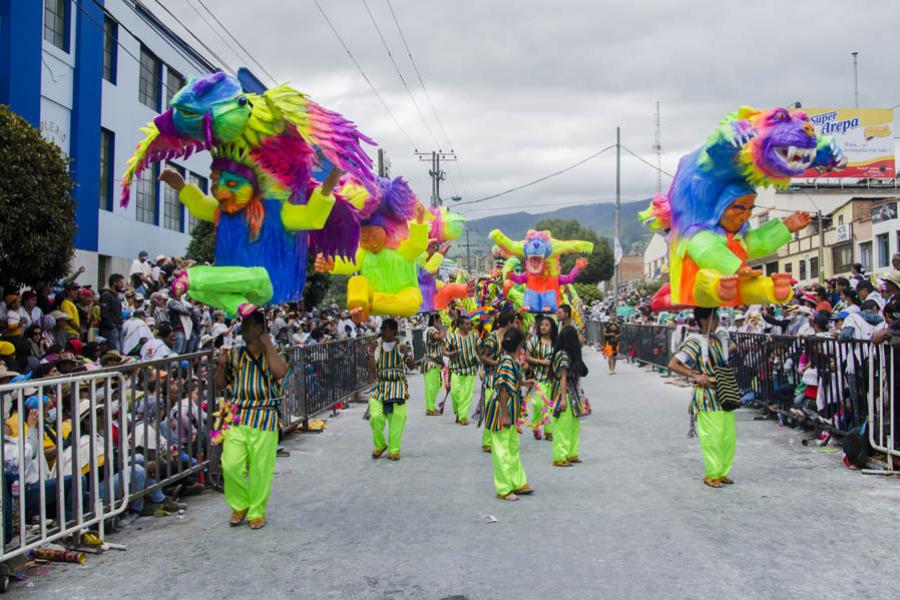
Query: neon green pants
x,y
509,475
432,387
718,438
395,422
566,432
485,432
229,287
462,388
541,407
248,467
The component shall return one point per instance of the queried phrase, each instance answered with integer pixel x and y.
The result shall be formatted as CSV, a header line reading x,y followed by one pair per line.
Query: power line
x,y
648,163
214,30
400,74
363,73
540,179
199,41
236,41
550,207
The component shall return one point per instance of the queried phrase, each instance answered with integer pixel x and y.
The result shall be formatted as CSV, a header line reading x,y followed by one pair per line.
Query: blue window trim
x,y
110,169
159,84
181,220
68,33
114,57
157,198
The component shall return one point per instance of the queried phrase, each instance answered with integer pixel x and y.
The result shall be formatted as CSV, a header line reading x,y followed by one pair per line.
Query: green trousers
x,y
395,422
229,287
432,386
718,437
566,431
248,467
509,475
541,407
462,388
485,432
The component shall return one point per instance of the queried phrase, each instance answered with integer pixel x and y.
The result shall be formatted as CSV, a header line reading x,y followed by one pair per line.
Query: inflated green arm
x,y
506,244
568,247
311,215
433,264
200,205
765,240
709,251
342,266
416,243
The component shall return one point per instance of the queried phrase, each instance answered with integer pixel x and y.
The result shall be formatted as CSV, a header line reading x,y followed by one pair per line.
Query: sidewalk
x,y
633,521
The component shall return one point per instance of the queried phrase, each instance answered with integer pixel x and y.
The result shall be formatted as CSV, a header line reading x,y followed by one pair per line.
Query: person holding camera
x,y
389,358
254,373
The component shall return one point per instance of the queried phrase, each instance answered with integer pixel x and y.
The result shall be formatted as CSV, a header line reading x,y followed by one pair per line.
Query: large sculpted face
x,y
212,108
737,213
785,144
537,250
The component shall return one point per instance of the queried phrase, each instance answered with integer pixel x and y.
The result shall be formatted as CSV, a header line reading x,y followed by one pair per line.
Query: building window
x,y
814,267
56,23
203,184
147,196
151,80
173,210
802,264
772,268
174,82
110,49
788,267
840,219
865,255
763,219
883,246
107,162
842,258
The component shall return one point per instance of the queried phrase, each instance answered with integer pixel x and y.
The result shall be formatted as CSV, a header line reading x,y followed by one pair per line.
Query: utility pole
x,y
855,77
384,164
821,244
468,254
437,175
657,146
616,243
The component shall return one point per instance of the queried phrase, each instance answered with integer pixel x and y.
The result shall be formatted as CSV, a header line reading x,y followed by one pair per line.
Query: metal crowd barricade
x,y
647,344
884,415
594,332
416,338
322,376
78,461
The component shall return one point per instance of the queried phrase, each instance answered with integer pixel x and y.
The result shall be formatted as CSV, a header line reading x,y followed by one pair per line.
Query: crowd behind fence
x,y
837,385
115,436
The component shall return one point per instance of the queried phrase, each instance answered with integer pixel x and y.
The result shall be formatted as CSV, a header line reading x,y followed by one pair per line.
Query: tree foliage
x,y
38,224
600,261
647,287
202,247
588,292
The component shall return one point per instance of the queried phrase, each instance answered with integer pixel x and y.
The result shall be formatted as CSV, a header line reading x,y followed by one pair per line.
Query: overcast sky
x,y
525,88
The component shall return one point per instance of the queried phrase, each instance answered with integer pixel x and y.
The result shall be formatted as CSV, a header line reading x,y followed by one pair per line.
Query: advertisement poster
x,y
865,135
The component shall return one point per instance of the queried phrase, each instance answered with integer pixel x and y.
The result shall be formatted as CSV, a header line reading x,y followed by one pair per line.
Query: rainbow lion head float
x,y
707,209
542,277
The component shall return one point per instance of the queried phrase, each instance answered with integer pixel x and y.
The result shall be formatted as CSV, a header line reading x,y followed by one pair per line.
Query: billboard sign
x,y
864,134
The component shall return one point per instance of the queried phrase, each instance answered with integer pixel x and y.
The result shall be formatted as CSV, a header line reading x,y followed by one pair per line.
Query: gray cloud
x,y
526,88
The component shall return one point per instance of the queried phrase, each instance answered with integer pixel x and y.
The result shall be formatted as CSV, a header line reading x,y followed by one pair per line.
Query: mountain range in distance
x,y
601,217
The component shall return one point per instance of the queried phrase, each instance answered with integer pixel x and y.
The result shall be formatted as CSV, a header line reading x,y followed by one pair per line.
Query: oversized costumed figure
x,y
445,227
393,234
710,242
266,207
709,204
542,277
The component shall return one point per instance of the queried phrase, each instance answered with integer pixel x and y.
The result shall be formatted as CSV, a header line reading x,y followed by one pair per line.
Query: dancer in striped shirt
x,y
387,405
433,363
539,357
254,373
500,416
490,357
568,406
462,349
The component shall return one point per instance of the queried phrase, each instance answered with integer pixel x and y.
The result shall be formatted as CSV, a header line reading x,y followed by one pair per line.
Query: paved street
x,y
634,521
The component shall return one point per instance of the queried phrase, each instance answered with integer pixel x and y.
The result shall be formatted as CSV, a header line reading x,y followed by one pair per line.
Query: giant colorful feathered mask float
x,y
266,207
707,209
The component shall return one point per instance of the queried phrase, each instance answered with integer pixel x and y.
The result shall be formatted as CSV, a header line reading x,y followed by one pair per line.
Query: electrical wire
x,y
363,73
648,163
215,31
399,73
538,180
236,41
212,53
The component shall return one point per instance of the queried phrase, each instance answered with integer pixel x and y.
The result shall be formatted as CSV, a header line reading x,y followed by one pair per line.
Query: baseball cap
x,y
159,257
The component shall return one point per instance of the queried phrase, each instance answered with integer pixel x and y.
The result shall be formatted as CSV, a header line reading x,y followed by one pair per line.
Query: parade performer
x,y
490,354
266,208
542,276
501,414
712,196
254,373
387,404
433,363
697,359
462,350
568,404
444,227
539,357
392,236
611,333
